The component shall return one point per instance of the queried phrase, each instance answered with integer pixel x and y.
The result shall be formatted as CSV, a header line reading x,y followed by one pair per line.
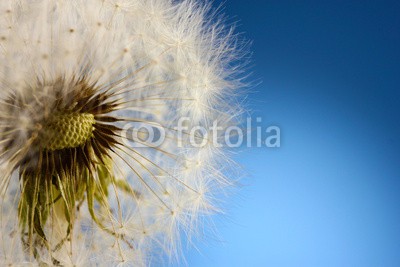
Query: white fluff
x,y
177,63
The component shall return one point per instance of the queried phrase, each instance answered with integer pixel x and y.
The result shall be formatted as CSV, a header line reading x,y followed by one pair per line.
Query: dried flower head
x,y
79,79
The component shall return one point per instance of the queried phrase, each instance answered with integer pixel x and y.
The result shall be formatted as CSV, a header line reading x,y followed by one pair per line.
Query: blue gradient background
x,y
330,195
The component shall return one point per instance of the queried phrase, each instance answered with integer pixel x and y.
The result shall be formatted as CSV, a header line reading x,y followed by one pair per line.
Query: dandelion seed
x,y
74,75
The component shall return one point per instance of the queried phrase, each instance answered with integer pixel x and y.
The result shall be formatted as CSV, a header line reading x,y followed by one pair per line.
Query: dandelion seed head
x,y
74,75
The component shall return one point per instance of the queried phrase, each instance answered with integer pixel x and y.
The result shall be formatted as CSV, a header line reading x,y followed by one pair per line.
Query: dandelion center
x,y
58,135
67,131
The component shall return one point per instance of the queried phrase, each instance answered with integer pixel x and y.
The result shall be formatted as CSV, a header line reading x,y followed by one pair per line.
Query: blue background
x,y
330,195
